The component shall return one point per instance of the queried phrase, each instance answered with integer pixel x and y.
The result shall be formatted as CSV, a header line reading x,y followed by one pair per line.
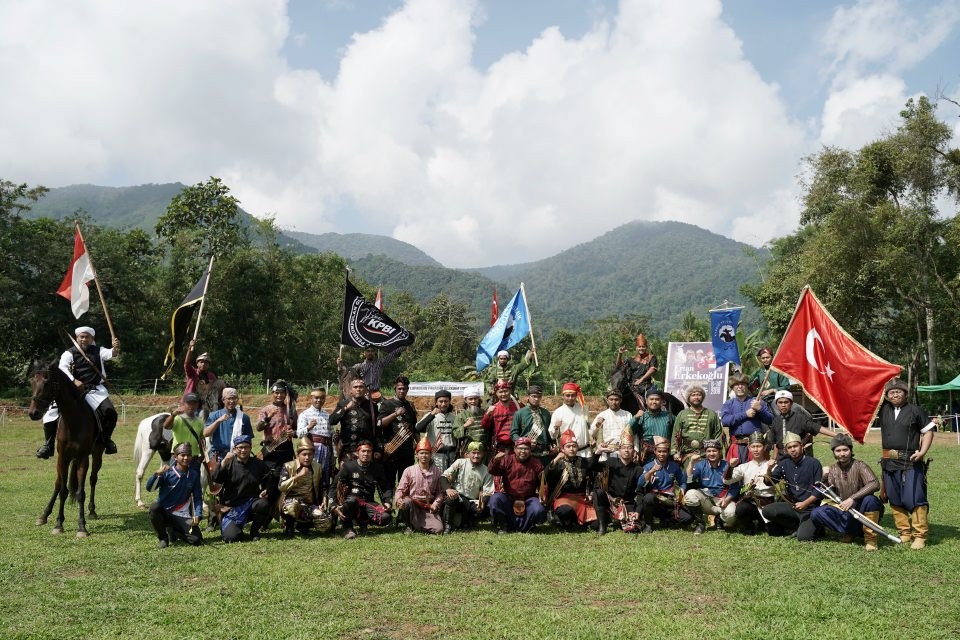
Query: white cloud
x,y
869,46
654,114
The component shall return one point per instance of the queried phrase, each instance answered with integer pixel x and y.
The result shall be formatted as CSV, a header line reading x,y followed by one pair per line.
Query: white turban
x,y
503,352
89,330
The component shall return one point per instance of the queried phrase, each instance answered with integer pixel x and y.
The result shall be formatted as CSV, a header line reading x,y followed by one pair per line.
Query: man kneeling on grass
x,y
302,503
176,513
516,506
354,490
467,485
855,483
662,478
419,498
243,497
570,474
799,473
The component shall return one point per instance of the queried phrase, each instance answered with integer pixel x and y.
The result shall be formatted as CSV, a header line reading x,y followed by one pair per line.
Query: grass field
x,y
669,584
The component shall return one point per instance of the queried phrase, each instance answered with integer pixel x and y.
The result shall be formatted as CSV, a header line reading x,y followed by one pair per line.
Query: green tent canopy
x,y
953,385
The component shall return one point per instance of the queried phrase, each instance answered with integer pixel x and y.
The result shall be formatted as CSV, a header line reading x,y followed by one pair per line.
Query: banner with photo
x,y
690,363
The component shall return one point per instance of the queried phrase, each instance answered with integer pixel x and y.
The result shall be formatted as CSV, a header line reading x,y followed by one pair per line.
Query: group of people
x,y
372,462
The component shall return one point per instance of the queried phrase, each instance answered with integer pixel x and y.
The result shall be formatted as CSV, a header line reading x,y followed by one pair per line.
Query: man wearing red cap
x,y
499,417
419,498
568,475
571,415
516,506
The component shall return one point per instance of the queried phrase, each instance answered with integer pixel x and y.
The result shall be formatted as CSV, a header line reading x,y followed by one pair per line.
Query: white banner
x,y
427,389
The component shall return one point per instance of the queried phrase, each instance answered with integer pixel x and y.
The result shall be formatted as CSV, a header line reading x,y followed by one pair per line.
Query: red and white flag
x,y
378,302
495,309
836,371
74,286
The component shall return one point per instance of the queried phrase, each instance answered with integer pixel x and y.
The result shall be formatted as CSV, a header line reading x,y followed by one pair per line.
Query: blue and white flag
x,y
723,335
512,326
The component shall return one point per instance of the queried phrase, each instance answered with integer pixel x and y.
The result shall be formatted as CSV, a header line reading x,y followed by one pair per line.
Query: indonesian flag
x,y
495,309
74,286
836,371
378,301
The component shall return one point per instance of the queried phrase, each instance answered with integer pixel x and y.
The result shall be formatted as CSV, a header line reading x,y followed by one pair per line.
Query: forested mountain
x,y
353,246
657,269
136,207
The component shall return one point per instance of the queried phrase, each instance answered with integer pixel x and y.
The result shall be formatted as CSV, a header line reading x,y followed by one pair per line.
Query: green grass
x,y
473,585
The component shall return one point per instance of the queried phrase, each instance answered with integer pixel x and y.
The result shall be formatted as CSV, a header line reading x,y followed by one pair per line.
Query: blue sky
x,y
510,130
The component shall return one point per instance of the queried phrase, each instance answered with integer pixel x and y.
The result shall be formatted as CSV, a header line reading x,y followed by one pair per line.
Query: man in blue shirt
x,y
180,503
799,473
743,415
710,496
224,425
660,477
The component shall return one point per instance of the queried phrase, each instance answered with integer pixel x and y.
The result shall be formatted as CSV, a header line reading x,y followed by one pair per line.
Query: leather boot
x,y
698,518
49,440
870,536
901,518
603,519
445,514
920,527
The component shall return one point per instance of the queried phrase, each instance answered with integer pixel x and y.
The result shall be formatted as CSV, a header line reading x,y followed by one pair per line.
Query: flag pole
x,y
533,345
196,328
96,280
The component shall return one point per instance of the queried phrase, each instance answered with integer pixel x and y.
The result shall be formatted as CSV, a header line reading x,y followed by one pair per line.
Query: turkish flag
x,y
836,371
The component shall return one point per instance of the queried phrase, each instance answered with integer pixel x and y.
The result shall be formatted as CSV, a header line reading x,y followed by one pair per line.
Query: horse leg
x,y
142,464
53,498
94,474
81,496
63,475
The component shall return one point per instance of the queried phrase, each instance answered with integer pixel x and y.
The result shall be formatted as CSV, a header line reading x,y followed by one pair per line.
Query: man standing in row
x,y
743,415
653,425
906,434
571,415
356,416
789,418
694,426
609,425
397,426
498,419
533,421
437,424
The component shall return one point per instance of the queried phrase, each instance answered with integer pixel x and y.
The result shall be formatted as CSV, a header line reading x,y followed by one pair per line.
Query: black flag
x,y
366,326
180,321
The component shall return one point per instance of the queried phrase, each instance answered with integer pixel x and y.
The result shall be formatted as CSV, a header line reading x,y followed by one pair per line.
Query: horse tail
x,y
74,484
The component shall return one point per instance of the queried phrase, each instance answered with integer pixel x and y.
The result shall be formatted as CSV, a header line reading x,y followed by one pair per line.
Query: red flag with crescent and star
x,y
836,371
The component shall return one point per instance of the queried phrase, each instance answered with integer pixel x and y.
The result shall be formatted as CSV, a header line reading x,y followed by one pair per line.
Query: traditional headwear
x,y
523,441
476,445
191,397
472,393
653,391
280,385
662,445
641,339
203,356
242,439
364,443
783,393
503,352
712,444
534,389
896,383
691,389
737,378
183,447
791,437
424,445
763,350
305,444
229,392
756,438
570,386
442,393
567,437
79,330
613,392
502,384
626,437
841,440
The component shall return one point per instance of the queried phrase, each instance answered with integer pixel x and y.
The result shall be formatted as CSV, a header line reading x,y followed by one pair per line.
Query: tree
x,y
872,243
204,217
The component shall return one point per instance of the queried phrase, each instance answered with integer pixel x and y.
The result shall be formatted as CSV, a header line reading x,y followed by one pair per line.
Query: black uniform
x,y
357,484
241,483
356,425
403,456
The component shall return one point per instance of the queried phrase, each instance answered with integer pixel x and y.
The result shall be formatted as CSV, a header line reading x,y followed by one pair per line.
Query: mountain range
x,y
660,269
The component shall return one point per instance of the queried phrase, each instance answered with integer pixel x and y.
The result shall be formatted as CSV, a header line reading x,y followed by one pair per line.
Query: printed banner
x,y
427,389
690,363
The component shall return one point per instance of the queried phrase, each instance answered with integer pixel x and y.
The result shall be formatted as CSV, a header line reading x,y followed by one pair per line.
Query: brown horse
x,y
77,440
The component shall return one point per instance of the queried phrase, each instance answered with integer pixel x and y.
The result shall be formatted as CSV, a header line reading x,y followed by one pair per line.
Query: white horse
x,y
143,453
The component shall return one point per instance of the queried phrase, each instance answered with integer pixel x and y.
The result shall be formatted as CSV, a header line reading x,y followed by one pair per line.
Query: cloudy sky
x,y
482,131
